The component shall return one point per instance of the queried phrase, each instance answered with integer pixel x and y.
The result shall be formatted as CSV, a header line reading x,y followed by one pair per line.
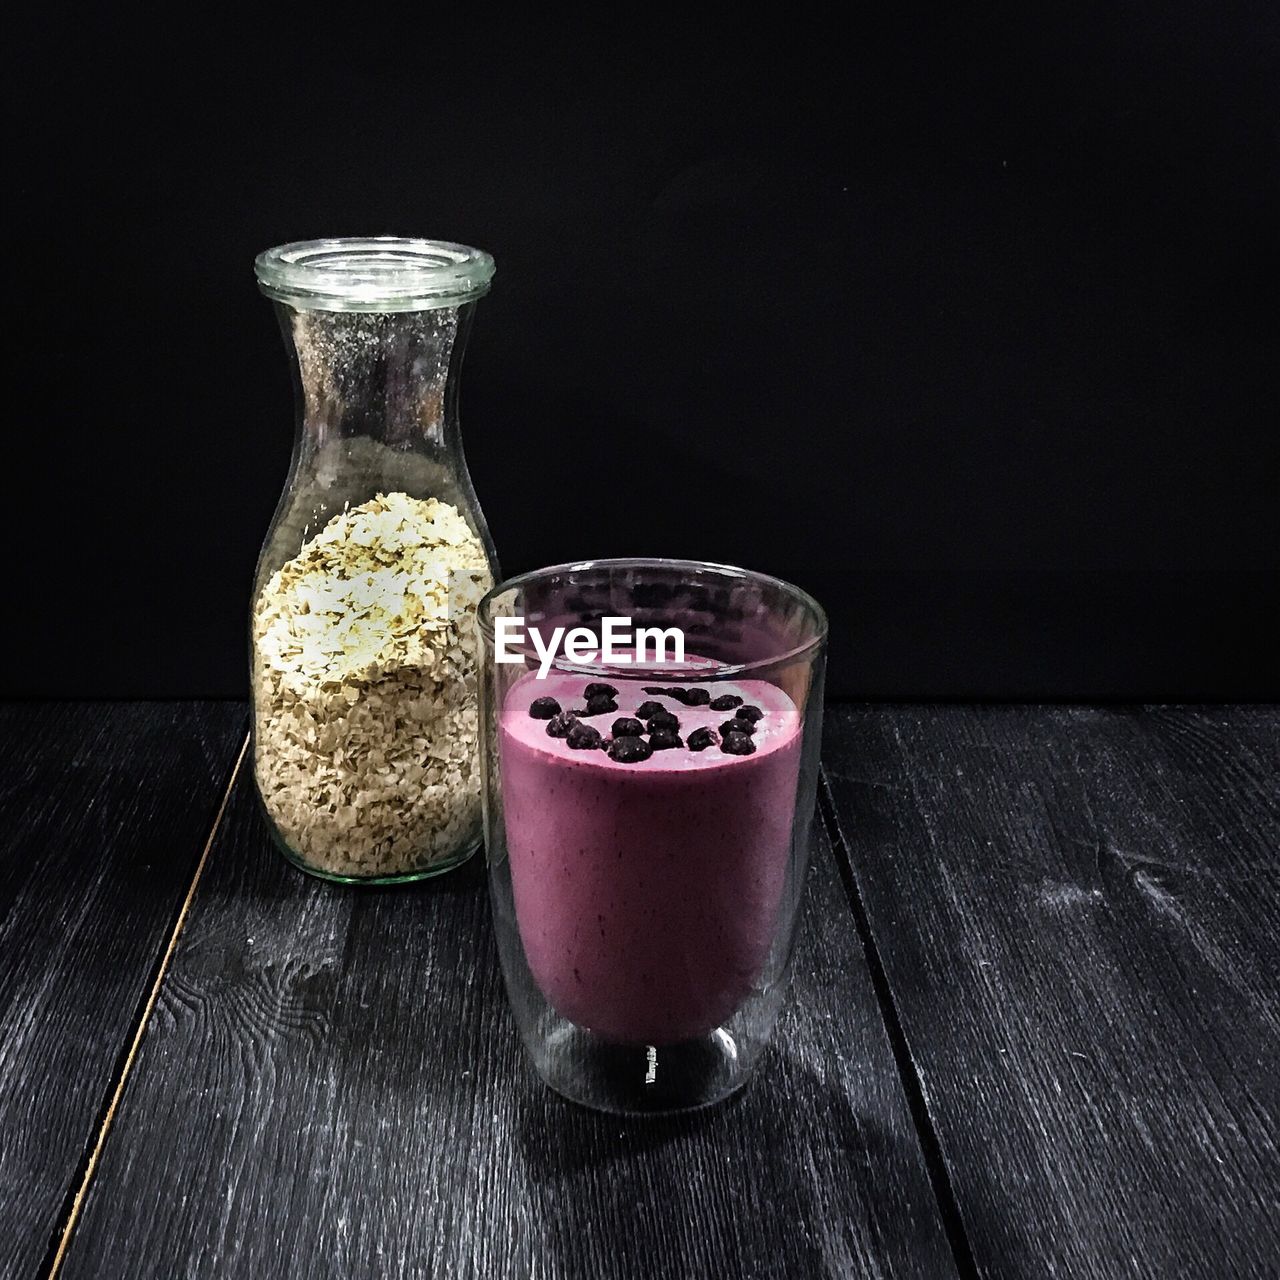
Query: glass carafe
x,y
362,624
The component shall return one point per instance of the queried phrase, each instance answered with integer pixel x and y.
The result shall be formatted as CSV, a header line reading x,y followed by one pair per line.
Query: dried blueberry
x,y
582,737
737,744
738,726
749,713
627,727
647,709
543,708
654,688
600,704
661,720
664,739
701,739
629,750
726,702
599,691
688,697
559,725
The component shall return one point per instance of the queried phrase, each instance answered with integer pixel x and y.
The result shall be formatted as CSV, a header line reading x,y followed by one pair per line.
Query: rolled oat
x,y
364,683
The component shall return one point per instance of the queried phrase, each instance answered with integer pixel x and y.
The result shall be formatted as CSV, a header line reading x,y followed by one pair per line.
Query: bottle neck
x,y
390,377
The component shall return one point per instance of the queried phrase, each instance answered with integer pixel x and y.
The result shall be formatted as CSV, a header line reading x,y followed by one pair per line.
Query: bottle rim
x,y
373,273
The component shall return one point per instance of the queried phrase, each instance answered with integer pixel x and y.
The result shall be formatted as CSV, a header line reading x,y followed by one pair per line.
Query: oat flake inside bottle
x,y
362,627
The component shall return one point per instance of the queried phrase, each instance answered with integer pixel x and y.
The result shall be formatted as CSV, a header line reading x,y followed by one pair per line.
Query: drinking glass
x,y
648,821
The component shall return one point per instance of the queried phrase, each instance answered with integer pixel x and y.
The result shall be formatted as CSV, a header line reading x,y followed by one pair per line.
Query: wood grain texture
x,y
1077,912
104,810
332,1086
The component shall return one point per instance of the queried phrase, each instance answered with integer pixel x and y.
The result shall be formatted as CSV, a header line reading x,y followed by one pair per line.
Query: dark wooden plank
x,y
104,811
332,1086
1078,912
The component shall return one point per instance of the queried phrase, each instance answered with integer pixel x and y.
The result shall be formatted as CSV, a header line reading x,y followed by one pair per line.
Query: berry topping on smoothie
x,y
582,737
689,697
661,720
629,750
560,724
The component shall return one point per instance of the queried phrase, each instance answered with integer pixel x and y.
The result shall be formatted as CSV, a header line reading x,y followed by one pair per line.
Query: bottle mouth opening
x,y
375,273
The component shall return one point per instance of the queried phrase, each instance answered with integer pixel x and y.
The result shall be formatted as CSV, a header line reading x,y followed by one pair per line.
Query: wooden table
x,y
1034,1030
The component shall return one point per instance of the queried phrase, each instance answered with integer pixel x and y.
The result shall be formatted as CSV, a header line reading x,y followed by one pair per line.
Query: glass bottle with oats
x,y
363,656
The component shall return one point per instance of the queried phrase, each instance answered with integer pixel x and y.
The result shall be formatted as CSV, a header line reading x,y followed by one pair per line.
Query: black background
x,y
968,324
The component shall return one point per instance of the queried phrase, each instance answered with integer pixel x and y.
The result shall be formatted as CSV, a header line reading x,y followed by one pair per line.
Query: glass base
x,y
405,877
641,1079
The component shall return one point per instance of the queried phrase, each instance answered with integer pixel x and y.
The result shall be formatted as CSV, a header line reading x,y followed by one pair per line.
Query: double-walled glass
x,y
365,733
648,822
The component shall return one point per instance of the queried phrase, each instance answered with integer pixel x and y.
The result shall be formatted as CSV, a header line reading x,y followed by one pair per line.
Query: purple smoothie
x,y
647,893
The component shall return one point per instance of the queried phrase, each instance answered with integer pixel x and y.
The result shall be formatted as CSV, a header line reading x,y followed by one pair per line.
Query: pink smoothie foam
x,y
647,893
